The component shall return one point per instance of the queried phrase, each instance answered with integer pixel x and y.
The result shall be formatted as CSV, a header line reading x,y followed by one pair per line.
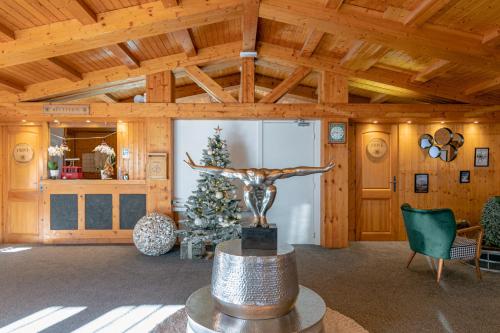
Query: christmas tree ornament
x,y
219,195
154,234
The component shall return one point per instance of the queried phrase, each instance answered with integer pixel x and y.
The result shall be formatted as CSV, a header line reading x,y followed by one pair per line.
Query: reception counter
x,y
91,211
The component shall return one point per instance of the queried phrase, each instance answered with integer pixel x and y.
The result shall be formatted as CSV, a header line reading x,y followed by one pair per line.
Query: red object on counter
x,y
72,172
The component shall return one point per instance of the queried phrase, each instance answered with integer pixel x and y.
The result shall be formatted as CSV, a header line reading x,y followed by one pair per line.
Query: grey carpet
x,y
367,282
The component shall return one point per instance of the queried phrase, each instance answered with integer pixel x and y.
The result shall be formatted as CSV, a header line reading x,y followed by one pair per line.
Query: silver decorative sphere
x,y
154,234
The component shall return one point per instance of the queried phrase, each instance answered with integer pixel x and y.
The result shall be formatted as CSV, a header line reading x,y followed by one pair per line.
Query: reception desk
x,y
91,211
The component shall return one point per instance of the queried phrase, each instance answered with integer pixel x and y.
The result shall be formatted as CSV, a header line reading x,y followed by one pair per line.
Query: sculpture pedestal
x,y
305,317
254,284
259,238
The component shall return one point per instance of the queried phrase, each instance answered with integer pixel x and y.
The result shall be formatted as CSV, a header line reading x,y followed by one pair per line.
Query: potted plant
x,y
108,170
55,152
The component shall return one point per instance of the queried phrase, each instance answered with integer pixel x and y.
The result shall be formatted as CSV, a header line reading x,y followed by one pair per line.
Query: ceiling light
x,y
409,121
476,122
56,121
442,122
375,121
87,121
120,121
23,121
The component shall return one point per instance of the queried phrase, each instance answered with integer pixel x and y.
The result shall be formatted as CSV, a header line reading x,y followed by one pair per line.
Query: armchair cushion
x,y
463,248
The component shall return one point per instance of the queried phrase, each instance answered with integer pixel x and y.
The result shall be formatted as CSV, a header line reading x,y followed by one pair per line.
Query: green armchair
x,y
434,233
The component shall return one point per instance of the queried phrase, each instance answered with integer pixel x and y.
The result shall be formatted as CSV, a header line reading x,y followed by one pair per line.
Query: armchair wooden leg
x,y
440,269
412,255
478,268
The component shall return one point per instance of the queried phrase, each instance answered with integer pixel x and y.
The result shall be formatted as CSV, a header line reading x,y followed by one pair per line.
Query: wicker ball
x,y
154,234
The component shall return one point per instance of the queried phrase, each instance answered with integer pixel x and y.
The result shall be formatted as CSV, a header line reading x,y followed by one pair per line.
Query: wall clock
x,y
337,132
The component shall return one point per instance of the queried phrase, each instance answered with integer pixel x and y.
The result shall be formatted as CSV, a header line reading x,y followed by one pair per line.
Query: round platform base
x,y
204,317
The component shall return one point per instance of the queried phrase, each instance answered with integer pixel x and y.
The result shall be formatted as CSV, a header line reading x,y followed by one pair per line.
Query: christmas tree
x,y
213,212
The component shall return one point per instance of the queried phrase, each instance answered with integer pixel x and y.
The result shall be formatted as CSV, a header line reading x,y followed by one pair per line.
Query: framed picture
x,y
421,183
464,177
481,157
337,132
157,166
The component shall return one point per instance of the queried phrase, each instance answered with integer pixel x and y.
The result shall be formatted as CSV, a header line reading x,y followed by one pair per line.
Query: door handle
x,y
394,183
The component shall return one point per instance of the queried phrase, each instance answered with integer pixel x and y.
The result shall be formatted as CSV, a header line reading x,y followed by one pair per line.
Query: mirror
x,y
457,140
448,153
425,141
434,151
443,136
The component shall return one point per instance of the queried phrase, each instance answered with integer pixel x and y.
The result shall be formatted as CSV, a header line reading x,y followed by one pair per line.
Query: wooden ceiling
x,y
392,51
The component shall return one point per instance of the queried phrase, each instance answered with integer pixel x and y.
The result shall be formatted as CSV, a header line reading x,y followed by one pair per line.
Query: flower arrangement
x,y
104,149
55,152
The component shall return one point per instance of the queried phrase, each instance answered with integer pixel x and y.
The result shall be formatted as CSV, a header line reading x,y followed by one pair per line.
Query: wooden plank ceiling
x,y
398,51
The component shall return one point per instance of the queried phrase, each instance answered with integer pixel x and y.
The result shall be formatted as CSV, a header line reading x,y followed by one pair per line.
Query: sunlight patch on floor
x,y
14,249
42,319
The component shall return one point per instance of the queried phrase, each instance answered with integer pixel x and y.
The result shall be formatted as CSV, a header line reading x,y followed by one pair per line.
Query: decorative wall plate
x,y
23,153
443,136
376,148
425,141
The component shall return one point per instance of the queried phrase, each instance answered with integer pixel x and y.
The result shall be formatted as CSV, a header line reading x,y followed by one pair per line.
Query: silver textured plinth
x,y
204,317
254,284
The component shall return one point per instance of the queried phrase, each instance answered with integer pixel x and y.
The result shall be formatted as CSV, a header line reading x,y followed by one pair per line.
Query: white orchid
x,y
105,149
57,151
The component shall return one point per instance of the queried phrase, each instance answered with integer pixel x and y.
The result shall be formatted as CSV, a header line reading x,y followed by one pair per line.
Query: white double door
x,y
268,144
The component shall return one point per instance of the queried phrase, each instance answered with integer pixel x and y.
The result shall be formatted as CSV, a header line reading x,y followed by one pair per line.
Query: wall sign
x,y
337,132
157,166
66,109
376,148
23,153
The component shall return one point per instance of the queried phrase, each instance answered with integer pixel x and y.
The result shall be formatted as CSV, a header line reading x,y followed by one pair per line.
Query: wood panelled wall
x,y
132,136
466,200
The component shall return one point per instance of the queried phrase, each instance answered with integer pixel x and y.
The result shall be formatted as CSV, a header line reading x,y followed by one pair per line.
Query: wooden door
x,y
377,211
21,184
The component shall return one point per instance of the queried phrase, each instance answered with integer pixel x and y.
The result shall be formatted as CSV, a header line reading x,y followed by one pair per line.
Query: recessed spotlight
x,y
120,121
87,121
442,122
375,121
56,121
476,122
23,121
409,122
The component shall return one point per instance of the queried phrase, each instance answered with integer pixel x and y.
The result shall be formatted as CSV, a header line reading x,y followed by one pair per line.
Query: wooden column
x,y
159,139
247,84
335,185
160,87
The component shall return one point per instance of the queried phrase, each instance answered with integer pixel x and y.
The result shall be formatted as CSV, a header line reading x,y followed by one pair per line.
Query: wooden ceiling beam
x,y
247,82
93,92
107,98
6,34
126,57
135,22
183,37
99,78
435,69
290,57
288,84
428,40
67,71
424,11
491,38
357,112
209,85
249,23
81,11
314,36
10,86
362,55
170,3
379,98
483,87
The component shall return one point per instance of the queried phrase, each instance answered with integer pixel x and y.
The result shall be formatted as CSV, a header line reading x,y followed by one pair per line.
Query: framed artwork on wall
x,y
421,183
464,177
481,157
337,132
157,166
